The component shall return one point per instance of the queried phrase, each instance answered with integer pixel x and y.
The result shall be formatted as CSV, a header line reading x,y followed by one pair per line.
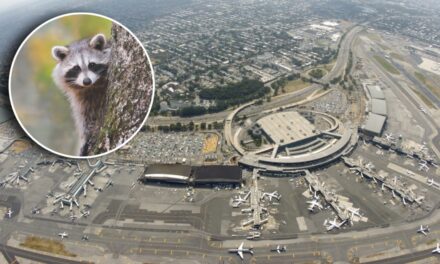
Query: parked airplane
x,y
253,235
36,210
85,213
423,110
63,235
314,203
279,249
331,224
423,229
354,211
239,200
410,172
436,250
271,195
9,213
389,137
432,182
73,217
423,166
240,250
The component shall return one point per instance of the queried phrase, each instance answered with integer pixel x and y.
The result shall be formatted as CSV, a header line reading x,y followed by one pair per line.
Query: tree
x,y
128,95
316,73
191,126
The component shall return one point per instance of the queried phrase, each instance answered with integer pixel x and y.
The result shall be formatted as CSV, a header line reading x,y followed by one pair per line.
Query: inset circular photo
x,y
81,85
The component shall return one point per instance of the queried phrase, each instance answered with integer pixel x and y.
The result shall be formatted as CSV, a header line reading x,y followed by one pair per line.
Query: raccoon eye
x,y
76,68
92,64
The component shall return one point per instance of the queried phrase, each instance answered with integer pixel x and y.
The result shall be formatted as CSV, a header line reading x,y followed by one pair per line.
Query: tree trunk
x,y
130,88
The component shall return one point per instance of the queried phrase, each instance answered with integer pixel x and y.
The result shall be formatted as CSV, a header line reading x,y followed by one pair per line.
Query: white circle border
x,y
38,142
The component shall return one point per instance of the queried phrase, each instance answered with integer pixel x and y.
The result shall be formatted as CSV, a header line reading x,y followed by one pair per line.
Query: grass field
x,y
46,245
424,98
374,37
431,86
20,145
210,143
397,56
387,66
295,85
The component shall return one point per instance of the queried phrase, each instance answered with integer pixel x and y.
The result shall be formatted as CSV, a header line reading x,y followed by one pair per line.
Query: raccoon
x,y
81,73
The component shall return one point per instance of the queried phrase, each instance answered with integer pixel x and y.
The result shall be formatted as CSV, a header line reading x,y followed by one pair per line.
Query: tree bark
x,y
129,92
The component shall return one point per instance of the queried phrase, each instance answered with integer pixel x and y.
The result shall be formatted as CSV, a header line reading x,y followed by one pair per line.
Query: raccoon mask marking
x,y
81,73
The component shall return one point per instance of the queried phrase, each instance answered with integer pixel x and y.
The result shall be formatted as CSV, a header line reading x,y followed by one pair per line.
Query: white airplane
x,y
423,166
354,211
240,250
9,213
279,249
369,166
436,250
314,203
253,235
432,182
36,210
271,195
419,199
423,229
410,172
330,225
85,213
423,110
63,235
236,202
239,199
389,137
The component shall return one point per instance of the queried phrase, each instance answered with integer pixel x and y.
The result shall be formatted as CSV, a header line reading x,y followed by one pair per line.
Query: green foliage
x,y
335,80
226,97
386,65
316,73
192,111
246,89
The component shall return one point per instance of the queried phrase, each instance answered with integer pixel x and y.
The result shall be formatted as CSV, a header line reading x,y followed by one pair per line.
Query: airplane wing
x,y
241,246
240,254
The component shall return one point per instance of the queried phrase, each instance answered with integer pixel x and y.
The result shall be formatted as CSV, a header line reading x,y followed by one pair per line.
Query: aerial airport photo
x,y
283,131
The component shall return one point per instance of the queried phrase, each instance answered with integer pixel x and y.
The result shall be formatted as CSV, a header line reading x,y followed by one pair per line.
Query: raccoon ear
x,y
59,52
98,42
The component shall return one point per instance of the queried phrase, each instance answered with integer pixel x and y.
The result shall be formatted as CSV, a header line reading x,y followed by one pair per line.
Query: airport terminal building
x,y
193,175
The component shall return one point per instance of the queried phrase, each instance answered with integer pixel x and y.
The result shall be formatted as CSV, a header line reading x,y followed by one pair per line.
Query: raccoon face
x,y
82,63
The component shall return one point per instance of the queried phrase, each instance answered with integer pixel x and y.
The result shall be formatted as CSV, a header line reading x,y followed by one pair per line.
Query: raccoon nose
x,y
87,81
